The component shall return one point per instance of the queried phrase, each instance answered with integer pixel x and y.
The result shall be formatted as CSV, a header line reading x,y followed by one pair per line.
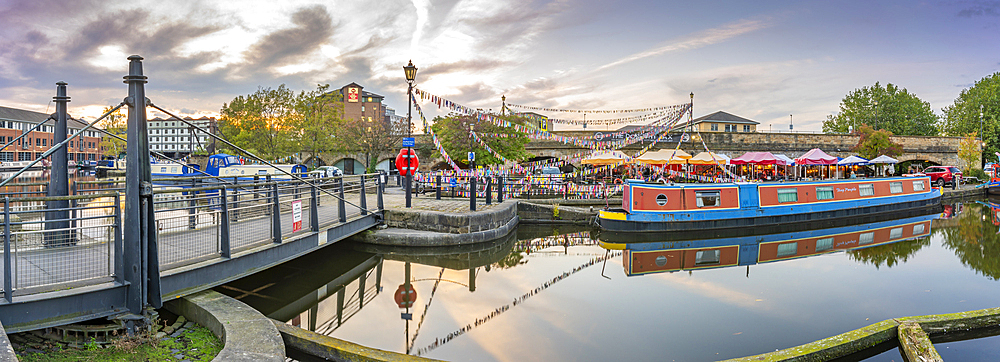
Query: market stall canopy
x,y
604,157
853,160
884,159
706,158
660,157
816,156
758,158
788,161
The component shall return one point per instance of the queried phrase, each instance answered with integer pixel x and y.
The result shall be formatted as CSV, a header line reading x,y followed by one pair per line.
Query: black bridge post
x,y
382,180
139,225
364,198
57,211
341,207
313,208
8,285
192,207
275,214
226,224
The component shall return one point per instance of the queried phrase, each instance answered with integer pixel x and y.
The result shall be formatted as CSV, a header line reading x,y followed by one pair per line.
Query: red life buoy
x,y
618,180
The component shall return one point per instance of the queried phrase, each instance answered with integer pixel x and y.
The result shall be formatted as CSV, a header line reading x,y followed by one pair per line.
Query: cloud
x,y
313,27
984,8
697,40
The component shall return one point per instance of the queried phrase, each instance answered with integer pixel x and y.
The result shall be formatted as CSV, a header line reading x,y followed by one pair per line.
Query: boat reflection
x,y
661,257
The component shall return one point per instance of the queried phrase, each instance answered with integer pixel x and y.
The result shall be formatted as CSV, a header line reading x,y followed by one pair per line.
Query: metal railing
x,y
194,224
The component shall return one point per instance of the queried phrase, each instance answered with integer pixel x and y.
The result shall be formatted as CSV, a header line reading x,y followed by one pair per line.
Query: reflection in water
x,y
976,243
874,243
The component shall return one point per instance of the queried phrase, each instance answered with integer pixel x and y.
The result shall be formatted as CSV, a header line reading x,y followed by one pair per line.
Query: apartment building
x,y
14,122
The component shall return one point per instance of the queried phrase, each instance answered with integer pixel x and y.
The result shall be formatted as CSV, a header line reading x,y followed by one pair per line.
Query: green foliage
x,y
372,138
320,113
453,132
968,151
889,254
115,123
977,107
876,143
261,123
890,108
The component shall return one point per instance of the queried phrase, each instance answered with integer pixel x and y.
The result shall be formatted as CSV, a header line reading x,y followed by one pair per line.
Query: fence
x,y
498,188
197,219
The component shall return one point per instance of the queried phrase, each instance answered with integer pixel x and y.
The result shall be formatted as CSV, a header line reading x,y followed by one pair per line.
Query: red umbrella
x,y
758,158
816,156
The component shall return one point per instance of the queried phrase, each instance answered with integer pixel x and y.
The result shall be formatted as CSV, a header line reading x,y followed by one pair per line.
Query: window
x,y
866,189
707,198
918,229
788,195
896,233
895,187
866,238
715,126
788,249
706,257
824,244
746,128
918,185
824,193
661,199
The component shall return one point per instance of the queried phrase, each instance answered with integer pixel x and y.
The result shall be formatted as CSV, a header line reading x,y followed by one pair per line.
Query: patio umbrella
x,y
706,158
816,156
659,157
604,157
853,160
886,162
758,158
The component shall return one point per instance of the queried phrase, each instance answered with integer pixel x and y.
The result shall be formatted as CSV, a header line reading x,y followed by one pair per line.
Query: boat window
x,y
788,195
706,257
163,169
824,244
661,199
707,198
866,238
895,187
918,229
824,193
918,185
896,233
262,172
788,249
866,189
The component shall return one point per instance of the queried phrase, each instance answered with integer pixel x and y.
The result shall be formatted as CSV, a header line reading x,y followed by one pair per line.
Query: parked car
x,y
941,175
328,171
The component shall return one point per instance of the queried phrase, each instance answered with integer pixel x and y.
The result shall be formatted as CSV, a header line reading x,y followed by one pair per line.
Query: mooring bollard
x,y
437,193
500,189
472,193
489,195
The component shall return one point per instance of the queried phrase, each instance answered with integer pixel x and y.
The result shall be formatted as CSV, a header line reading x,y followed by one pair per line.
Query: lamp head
x,y
411,72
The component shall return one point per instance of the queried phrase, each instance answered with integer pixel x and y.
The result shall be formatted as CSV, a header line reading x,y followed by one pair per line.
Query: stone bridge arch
x,y
932,158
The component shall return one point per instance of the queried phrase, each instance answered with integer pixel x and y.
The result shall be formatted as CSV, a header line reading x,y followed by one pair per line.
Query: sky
x,y
763,60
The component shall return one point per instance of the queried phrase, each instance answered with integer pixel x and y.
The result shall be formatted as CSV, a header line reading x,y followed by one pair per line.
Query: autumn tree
x,y
969,151
977,109
117,124
874,143
262,122
371,137
889,107
453,132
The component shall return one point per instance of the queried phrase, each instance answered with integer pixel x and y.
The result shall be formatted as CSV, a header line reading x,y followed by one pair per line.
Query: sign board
x,y
409,142
454,182
406,316
296,215
353,94
672,137
472,156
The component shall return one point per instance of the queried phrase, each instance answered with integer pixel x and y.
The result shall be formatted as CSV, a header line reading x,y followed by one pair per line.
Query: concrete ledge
x,y
962,192
863,338
405,237
556,213
307,345
915,344
452,223
6,350
247,335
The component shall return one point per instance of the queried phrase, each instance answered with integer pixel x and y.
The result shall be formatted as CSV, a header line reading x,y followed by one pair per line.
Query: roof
x,y
14,114
363,92
723,117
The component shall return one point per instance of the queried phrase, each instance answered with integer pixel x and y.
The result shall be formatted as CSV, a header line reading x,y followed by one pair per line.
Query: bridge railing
x,y
44,254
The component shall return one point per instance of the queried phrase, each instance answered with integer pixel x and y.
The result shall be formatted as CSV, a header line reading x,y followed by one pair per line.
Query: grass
x,y
198,344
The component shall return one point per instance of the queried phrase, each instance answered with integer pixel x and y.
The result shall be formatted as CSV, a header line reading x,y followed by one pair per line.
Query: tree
x,y
371,137
977,109
261,123
117,124
320,115
968,151
874,143
453,132
889,108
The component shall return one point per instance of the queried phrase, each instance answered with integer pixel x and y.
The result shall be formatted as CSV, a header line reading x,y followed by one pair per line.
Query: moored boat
x,y
650,207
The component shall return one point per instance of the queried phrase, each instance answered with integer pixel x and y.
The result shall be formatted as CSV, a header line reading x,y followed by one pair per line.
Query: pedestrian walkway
x,y
395,199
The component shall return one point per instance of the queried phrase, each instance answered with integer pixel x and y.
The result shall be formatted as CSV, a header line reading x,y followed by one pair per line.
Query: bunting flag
x,y
599,122
496,154
596,111
437,143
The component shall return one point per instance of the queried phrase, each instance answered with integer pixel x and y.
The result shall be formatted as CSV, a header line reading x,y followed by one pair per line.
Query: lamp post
x,y
982,139
411,75
876,115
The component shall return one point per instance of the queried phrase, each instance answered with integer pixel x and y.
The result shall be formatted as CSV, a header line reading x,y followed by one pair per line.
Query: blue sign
x,y
472,156
409,142
406,316
454,183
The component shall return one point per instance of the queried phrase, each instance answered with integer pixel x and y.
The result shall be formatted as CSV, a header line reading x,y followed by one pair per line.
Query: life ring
x,y
618,181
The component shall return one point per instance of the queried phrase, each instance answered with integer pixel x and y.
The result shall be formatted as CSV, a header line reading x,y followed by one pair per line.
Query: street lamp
x,y
982,139
876,115
411,75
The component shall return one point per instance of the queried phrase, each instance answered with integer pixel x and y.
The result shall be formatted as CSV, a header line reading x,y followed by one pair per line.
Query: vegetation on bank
x,y
195,344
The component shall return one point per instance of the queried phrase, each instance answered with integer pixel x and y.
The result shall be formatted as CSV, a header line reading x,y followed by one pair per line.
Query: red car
x,y
941,175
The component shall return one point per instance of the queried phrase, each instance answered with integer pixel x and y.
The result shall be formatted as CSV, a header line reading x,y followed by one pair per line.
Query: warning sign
x,y
296,215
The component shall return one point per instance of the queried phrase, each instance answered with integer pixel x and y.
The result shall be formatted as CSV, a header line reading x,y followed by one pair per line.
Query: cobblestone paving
x,y
395,199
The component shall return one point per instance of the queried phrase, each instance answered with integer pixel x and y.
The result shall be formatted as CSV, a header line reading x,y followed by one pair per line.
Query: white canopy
x,y
853,160
884,159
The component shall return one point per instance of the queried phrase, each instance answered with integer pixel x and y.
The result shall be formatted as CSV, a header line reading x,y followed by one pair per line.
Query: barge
x,y
657,208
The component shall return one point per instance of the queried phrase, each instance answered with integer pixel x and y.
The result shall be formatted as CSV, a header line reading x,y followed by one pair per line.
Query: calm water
x,y
547,294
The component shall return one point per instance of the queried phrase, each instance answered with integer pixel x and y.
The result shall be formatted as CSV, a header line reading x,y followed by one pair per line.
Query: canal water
x,y
558,294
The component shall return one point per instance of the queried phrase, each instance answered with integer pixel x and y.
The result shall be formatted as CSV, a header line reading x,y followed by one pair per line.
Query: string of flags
x,y
611,111
497,154
601,122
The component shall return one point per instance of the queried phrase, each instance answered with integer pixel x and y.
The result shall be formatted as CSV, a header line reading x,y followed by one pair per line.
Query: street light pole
x,y
876,115
411,75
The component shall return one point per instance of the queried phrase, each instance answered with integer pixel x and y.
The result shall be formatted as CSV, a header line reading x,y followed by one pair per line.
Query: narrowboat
x,y
653,207
664,257
17,165
228,166
992,187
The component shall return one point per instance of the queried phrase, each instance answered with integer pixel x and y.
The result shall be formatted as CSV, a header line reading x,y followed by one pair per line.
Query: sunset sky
x,y
762,60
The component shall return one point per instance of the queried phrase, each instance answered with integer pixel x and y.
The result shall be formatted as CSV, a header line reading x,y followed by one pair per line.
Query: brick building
x,y
14,122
